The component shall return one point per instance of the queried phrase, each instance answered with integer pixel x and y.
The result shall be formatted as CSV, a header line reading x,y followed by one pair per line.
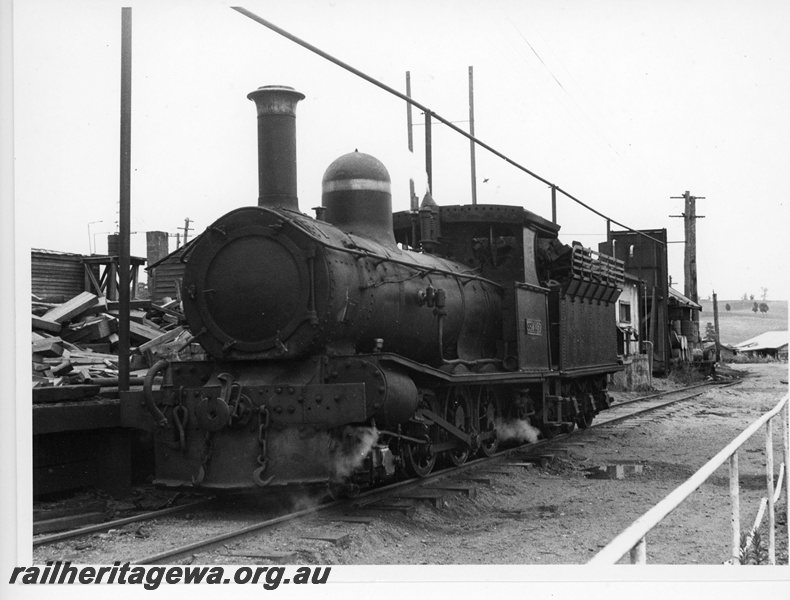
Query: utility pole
x,y
472,133
124,299
690,263
414,203
185,228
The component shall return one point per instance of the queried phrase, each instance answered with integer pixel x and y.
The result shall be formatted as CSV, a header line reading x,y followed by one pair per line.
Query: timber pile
x,y
75,343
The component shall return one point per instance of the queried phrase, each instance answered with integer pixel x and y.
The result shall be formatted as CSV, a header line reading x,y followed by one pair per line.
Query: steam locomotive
x,y
362,345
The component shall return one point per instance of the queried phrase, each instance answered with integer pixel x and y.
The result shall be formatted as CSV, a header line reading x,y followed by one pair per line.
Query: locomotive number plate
x,y
533,326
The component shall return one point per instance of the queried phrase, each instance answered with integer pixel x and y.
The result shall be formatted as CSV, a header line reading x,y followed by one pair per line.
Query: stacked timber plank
x,y
75,343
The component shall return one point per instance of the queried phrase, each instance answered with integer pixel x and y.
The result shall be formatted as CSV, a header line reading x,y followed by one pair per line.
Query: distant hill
x,y
740,323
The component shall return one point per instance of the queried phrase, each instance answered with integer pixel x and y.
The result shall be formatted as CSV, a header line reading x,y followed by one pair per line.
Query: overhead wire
x,y
629,168
556,79
428,111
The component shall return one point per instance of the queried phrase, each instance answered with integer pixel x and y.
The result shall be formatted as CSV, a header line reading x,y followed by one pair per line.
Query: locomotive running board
x,y
492,377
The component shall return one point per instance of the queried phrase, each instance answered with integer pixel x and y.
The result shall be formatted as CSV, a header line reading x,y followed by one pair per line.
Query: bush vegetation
x,y
685,374
746,359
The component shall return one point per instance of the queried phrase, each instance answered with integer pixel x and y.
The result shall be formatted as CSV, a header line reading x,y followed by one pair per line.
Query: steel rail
x,y
155,558
383,492
668,392
368,496
428,112
372,495
59,537
659,406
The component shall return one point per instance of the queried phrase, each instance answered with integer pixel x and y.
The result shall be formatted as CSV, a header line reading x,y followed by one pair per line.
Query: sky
x,y
623,104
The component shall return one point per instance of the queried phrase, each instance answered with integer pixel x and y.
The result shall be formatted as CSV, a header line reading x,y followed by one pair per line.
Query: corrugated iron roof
x,y
55,252
681,299
770,340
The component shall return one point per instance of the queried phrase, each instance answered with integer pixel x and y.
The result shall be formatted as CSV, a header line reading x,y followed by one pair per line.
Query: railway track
x,y
428,488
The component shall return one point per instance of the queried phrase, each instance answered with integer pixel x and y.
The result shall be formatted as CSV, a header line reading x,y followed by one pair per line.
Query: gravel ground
x,y
555,514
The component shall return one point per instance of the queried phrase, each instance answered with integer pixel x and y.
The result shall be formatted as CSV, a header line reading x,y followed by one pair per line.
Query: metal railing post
x,y
735,500
769,483
639,553
786,436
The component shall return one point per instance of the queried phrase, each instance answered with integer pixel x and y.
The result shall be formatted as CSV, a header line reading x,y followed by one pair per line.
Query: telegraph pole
x,y
124,217
690,263
472,133
185,229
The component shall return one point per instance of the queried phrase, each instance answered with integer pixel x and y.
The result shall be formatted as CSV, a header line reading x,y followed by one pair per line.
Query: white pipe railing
x,y
633,539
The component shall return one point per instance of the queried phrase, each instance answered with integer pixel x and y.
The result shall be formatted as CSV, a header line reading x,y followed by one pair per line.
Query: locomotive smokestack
x,y
276,107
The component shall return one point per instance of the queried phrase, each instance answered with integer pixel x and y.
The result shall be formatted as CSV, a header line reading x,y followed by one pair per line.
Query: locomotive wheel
x,y
419,458
489,412
458,411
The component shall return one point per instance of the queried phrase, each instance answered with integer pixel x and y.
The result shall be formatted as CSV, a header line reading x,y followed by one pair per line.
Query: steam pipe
x,y
148,394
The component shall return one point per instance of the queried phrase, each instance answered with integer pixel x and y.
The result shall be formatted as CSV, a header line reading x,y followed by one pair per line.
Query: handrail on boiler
x,y
633,539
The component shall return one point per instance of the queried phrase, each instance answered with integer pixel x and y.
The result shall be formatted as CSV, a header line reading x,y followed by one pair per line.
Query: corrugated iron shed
x,y
770,340
56,276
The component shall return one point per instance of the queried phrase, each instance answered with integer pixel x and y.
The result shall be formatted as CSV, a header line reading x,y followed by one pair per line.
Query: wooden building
x,y
769,344
59,276
165,275
56,276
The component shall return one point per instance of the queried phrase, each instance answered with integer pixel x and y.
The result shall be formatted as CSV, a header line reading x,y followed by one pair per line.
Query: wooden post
x,y
653,324
554,204
690,259
716,326
472,133
125,198
428,151
135,275
413,200
112,279
409,125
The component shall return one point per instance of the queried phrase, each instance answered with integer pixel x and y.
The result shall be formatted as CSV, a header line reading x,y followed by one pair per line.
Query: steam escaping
x,y
304,499
513,430
348,453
